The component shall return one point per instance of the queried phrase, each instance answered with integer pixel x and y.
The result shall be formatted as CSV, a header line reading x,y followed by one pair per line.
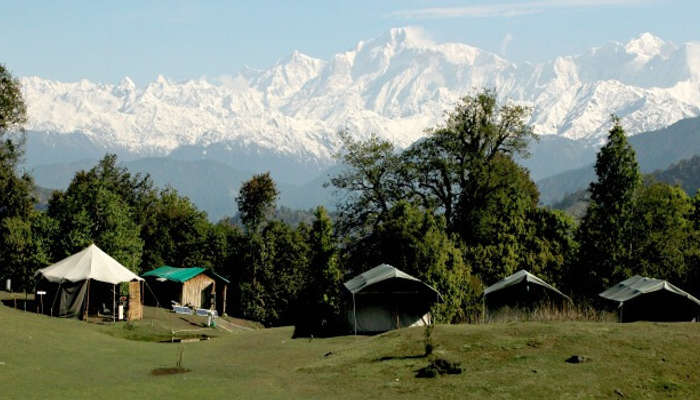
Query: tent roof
x,y
378,274
639,285
518,277
89,263
181,274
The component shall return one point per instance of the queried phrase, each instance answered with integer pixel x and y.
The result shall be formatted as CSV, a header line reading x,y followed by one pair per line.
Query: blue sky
x,y
107,40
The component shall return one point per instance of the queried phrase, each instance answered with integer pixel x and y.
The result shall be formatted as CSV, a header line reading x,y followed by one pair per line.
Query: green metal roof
x,y
175,274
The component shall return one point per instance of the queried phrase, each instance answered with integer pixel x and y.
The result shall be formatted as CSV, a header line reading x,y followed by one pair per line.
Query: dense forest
x,y
454,210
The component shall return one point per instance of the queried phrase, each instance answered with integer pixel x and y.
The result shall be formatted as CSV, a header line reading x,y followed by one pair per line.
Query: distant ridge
x,y
655,150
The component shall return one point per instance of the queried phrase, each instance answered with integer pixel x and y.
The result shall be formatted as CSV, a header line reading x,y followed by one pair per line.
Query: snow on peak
x,y
647,46
407,36
127,84
395,85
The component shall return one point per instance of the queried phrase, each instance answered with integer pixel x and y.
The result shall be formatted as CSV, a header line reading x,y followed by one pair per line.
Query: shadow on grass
x,y
197,324
389,358
169,371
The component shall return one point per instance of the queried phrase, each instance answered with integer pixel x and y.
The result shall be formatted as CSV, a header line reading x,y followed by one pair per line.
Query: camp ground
x,y
386,298
194,287
522,290
647,299
44,357
387,312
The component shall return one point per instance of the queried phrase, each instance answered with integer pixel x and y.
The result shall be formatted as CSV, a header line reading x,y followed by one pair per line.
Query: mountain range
x,y
206,136
286,118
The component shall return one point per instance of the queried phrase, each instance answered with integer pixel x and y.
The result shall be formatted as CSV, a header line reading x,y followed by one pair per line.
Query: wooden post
x,y
223,306
212,296
135,303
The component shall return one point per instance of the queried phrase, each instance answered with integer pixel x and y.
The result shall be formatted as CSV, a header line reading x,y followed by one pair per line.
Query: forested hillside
x,y
685,173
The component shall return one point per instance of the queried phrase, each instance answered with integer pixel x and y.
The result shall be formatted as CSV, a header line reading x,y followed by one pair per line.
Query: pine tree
x,y
318,307
605,235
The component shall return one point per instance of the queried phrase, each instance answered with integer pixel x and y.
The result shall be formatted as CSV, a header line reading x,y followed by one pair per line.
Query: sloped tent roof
x,y
89,263
639,285
379,274
517,278
389,299
181,275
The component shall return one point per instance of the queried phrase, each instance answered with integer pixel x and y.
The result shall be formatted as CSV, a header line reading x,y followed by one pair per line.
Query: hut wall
x,y
192,290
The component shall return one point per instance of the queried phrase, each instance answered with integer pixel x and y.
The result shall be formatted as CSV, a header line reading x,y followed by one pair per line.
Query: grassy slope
x,y
42,357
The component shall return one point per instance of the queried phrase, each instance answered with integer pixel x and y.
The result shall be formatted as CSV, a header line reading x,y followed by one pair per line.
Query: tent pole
x,y
153,294
87,305
622,305
354,313
483,309
114,303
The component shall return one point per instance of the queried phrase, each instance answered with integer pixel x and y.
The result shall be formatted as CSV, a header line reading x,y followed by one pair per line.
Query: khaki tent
x,y
647,299
522,290
196,287
83,283
386,298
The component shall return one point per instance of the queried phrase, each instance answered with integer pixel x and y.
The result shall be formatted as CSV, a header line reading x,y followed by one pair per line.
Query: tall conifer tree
x,y
605,236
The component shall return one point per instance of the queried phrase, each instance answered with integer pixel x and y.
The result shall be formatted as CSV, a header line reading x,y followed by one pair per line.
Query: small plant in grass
x,y
179,369
180,353
428,339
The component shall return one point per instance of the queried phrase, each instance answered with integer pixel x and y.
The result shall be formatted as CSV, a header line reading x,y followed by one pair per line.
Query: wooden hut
x,y
195,287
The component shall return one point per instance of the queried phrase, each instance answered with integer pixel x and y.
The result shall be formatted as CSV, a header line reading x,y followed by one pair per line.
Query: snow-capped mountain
x,y
395,86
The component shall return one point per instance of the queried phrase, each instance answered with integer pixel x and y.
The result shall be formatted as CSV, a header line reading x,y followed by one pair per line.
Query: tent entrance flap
x,y
76,299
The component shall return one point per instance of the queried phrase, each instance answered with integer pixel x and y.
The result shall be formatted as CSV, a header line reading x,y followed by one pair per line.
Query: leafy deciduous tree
x,y
256,200
89,211
662,232
369,183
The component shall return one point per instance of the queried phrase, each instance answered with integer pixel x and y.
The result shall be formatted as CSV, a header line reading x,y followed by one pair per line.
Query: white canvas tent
x,y
642,298
386,298
68,281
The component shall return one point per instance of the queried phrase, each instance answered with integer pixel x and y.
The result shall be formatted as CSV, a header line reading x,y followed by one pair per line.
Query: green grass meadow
x,y
42,357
